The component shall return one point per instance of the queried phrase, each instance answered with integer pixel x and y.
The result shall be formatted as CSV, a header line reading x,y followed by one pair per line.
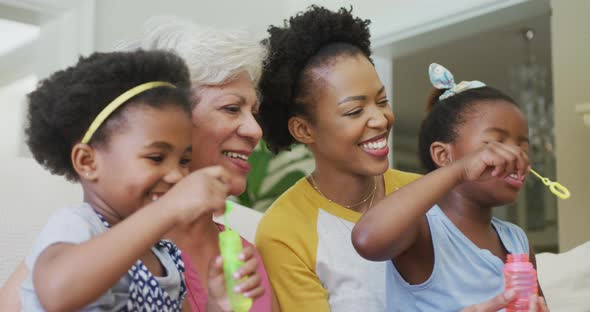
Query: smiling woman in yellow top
x,y
321,89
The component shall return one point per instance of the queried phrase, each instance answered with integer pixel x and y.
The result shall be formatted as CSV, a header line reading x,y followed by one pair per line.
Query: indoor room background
x,y
537,51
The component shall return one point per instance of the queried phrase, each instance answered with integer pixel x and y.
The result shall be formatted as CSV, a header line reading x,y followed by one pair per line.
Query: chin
x,y
508,195
494,194
237,187
504,199
379,170
510,199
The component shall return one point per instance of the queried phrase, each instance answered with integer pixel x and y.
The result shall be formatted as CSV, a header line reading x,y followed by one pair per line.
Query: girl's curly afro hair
x,y
311,39
62,107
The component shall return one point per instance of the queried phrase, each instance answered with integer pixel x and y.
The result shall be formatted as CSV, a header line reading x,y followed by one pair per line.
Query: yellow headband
x,y
109,109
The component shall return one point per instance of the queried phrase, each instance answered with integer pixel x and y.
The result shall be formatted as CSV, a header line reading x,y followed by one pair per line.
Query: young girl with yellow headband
x,y
120,125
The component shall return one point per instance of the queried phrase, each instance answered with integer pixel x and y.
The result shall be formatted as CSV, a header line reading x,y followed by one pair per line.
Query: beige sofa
x,y
565,279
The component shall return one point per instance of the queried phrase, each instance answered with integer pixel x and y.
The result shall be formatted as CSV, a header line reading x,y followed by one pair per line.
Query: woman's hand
x,y
10,292
251,285
537,304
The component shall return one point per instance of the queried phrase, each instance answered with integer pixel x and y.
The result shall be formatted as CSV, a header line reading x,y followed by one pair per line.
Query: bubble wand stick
x,y
556,188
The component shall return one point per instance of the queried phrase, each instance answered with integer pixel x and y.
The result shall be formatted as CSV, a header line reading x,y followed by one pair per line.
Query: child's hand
x,y
218,299
251,287
495,304
494,160
202,191
537,304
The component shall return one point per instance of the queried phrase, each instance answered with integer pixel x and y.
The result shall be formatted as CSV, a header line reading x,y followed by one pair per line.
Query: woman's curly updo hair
x,y
444,117
311,39
64,105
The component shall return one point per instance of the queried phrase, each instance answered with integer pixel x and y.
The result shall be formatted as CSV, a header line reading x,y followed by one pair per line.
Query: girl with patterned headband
x,y
120,125
446,248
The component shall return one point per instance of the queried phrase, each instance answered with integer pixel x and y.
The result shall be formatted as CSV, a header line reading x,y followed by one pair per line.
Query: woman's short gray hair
x,y
213,56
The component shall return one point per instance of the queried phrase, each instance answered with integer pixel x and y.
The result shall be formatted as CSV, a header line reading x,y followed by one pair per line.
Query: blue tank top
x,y
463,273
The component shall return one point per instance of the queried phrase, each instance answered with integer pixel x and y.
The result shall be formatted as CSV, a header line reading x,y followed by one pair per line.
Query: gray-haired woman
x,y
225,67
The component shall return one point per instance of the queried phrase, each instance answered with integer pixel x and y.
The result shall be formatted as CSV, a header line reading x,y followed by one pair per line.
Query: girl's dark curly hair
x,y
62,107
311,39
445,116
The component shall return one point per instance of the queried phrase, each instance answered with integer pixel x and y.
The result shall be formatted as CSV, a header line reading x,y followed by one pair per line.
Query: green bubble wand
x,y
230,245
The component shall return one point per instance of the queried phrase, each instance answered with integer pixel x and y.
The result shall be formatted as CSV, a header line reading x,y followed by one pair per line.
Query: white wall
x,y
13,99
29,195
571,49
117,20
392,20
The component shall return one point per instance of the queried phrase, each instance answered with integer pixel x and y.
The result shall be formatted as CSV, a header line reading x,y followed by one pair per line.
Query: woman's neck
x,y
202,232
355,192
200,241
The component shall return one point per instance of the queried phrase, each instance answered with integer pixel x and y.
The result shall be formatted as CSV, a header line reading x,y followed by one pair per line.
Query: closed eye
x,y
354,112
156,158
383,102
231,108
494,140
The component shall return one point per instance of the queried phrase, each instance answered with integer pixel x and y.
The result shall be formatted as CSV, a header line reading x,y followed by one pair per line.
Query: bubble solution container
x,y
230,245
520,276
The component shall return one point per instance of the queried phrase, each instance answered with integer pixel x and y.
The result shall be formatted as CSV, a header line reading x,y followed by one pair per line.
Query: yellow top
x,y
305,243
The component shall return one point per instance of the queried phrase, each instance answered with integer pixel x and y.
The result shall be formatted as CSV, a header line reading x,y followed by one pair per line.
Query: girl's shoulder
x,y
513,237
75,219
505,226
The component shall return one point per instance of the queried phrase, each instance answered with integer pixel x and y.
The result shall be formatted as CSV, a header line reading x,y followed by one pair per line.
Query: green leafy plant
x,y
281,171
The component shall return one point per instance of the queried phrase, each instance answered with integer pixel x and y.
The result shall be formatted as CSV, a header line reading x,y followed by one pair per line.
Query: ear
x,y
301,130
441,153
84,161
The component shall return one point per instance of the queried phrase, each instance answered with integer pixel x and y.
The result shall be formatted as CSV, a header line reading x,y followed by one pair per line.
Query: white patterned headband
x,y
441,78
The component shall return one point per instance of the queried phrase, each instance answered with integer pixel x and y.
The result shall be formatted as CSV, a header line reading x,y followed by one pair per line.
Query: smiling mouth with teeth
x,y
515,177
236,155
375,145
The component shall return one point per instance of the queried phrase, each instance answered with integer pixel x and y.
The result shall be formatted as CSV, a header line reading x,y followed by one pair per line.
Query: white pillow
x,y
565,279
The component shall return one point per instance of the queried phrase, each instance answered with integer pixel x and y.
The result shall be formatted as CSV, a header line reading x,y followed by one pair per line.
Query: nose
x,y
176,174
249,128
380,117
